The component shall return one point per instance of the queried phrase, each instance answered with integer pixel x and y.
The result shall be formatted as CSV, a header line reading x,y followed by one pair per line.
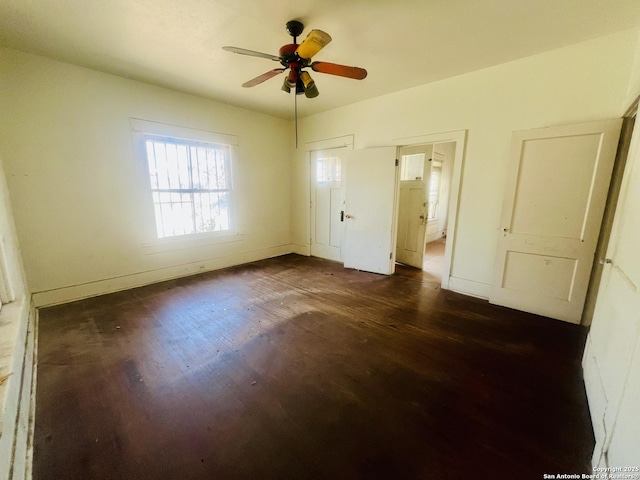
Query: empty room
x,y
346,240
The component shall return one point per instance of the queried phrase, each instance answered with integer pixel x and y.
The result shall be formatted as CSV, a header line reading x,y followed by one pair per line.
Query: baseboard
x,y
110,285
301,249
469,287
434,237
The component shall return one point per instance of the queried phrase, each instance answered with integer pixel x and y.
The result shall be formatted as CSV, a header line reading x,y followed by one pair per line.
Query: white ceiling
x,y
402,43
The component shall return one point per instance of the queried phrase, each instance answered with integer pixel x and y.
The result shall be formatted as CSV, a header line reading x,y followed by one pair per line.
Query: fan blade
x,y
244,51
315,41
340,70
263,77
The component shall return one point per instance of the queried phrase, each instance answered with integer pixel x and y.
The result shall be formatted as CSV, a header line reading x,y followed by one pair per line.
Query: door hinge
x,y
397,162
390,255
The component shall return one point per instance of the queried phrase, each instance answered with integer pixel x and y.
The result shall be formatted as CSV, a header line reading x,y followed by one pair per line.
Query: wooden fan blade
x,y
315,41
263,77
244,51
340,70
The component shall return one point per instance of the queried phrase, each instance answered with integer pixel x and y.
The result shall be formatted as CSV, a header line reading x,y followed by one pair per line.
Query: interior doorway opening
x,y
426,173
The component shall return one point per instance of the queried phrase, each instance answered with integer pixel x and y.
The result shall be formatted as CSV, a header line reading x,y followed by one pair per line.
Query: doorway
x,y
426,173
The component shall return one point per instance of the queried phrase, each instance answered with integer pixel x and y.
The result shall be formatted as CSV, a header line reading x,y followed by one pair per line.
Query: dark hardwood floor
x,y
295,368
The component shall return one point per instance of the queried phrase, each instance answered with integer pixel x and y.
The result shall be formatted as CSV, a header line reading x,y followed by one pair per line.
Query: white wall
x,y
80,207
634,82
578,83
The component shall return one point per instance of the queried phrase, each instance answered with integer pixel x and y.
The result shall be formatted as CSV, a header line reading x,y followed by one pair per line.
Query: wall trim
x,y
300,249
470,287
72,293
337,142
177,131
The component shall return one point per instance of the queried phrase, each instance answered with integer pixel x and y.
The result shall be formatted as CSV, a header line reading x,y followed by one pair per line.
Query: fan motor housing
x,y
294,28
289,58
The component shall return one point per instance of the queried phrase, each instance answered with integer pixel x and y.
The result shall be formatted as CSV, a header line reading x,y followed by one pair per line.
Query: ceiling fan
x,y
296,58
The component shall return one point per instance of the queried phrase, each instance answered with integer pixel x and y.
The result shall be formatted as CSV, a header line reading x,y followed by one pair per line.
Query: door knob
x,y
348,216
605,260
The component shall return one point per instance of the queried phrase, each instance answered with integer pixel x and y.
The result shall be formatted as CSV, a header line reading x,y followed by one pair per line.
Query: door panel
x,y
323,216
336,221
416,208
411,227
564,166
415,171
370,197
556,191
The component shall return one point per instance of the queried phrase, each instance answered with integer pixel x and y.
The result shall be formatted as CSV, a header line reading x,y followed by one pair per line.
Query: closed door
x,y
369,214
612,358
327,204
554,201
415,171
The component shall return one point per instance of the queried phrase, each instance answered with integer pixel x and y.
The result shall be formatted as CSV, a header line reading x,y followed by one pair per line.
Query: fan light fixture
x,y
296,58
310,89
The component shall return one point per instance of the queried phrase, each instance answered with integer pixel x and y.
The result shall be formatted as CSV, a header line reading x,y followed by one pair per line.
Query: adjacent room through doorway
x,y
423,207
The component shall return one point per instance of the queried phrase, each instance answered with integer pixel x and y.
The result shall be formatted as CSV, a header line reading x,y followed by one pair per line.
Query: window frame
x,y
151,243
436,204
191,191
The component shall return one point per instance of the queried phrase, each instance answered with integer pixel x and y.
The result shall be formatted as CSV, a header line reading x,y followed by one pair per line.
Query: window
x,y
190,184
412,167
329,169
434,189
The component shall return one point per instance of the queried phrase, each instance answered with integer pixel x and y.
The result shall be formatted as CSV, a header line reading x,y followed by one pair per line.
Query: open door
x,y
415,171
554,201
370,193
612,357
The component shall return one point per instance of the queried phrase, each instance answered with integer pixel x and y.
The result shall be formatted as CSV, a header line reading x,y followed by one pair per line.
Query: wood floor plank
x,y
295,368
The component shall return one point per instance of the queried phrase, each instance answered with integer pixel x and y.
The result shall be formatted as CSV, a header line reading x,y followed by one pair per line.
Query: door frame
x,y
624,144
459,137
602,408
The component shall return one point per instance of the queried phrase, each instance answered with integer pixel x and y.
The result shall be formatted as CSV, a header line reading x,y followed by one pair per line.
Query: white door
x,y
412,207
612,358
554,200
327,204
369,219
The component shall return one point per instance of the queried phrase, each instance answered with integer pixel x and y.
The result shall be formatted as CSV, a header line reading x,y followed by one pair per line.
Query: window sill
x,y
188,242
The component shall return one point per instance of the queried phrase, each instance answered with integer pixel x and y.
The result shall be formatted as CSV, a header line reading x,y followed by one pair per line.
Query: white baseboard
x,y
301,249
110,285
469,287
433,237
